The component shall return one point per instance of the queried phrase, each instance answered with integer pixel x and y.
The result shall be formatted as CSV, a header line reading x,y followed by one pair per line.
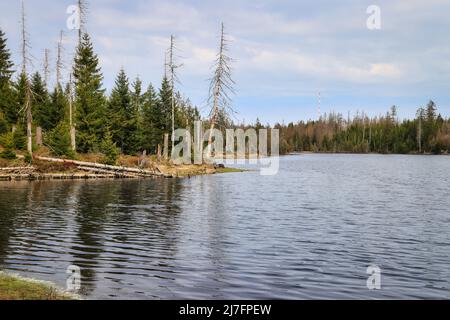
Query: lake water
x,y
308,232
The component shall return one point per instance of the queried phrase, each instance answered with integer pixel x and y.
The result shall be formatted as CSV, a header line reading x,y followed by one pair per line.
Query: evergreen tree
x,y
430,128
3,124
7,105
137,97
13,116
58,109
135,122
40,102
119,106
20,136
151,125
58,140
90,101
165,107
109,149
7,140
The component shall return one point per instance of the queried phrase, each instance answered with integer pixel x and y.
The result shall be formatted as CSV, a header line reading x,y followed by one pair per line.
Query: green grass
x,y
17,288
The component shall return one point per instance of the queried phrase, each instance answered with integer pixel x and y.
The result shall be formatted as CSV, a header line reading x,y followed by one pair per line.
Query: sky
x,y
285,52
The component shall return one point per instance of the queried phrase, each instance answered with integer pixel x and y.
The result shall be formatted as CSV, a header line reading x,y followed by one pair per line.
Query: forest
x,y
428,133
78,117
131,119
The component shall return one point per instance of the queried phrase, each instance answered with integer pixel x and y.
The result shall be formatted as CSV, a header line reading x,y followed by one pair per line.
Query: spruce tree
x,y
14,116
430,128
109,149
152,124
58,140
7,105
7,140
89,101
137,97
3,124
58,108
165,106
118,107
40,102
137,100
20,88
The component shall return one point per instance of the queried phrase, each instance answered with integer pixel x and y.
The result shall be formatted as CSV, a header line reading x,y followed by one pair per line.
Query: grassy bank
x,y
13,287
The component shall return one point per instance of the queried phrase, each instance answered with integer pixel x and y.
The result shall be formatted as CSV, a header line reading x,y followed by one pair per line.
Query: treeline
x,y
133,118
429,132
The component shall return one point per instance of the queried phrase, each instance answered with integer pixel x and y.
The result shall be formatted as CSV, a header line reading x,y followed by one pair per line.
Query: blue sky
x,y
285,51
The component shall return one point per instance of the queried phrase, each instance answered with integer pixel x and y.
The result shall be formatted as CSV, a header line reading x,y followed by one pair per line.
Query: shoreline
x,y
16,287
185,171
90,167
364,153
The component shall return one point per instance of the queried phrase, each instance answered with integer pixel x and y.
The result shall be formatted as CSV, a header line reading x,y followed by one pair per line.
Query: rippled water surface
x,y
308,232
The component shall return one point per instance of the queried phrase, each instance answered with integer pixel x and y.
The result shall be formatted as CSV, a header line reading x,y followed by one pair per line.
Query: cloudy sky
x,y
285,51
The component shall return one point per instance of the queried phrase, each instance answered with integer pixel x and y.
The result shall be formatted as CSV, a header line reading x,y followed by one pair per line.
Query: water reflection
x,y
309,232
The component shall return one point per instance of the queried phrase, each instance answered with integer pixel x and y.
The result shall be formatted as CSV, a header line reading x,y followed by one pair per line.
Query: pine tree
x,y
430,127
7,105
151,125
20,136
109,149
137,97
41,103
3,124
119,105
7,140
90,101
58,140
135,120
15,118
58,109
20,89
165,106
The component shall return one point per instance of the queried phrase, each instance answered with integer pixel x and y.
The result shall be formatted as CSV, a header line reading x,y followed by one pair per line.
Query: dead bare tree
x,y
28,93
46,65
82,10
173,77
59,62
71,124
221,86
420,115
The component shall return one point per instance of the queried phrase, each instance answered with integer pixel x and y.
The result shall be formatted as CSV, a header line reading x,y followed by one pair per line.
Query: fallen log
x,y
17,168
118,174
104,166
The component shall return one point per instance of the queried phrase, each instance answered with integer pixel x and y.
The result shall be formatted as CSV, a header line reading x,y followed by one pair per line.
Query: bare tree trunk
x,y
173,78
220,84
71,125
28,94
29,120
59,64
46,66
172,98
82,7
39,136
158,152
215,114
166,146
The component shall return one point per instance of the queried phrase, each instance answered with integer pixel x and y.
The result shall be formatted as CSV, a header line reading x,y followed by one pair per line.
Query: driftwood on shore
x,y
107,168
92,171
57,176
102,171
17,168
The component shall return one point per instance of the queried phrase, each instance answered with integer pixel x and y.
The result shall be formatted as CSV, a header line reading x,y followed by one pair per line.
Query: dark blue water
x,y
308,232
